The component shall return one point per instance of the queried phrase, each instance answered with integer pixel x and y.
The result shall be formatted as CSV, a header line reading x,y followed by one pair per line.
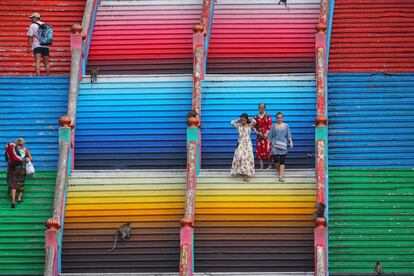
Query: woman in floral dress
x,y
243,160
262,127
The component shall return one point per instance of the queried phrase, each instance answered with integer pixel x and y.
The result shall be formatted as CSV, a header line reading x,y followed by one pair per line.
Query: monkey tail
x,y
113,247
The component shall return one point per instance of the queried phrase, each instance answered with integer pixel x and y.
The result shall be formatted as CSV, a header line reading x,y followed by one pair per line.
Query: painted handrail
x,y
54,225
321,140
201,39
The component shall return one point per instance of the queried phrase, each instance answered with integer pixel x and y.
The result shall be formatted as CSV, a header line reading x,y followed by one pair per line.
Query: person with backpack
x,y
40,36
17,156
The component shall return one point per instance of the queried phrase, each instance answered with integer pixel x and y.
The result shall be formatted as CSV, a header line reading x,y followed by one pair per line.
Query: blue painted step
x,y
371,120
133,122
226,98
30,107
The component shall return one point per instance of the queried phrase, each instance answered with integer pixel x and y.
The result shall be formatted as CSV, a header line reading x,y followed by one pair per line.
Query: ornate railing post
x,y
321,141
201,38
198,65
54,234
54,223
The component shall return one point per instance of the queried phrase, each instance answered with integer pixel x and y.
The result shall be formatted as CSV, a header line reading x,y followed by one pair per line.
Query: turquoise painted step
x,y
30,107
371,218
226,98
133,122
22,230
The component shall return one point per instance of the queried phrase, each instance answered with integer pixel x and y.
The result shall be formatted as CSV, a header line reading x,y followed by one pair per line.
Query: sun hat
x,y
35,15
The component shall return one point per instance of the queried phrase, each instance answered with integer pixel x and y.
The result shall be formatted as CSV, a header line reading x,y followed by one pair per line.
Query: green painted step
x,y
22,230
371,218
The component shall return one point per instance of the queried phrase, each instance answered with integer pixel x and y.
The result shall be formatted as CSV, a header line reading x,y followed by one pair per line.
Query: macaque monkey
x,y
378,268
124,231
94,74
284,2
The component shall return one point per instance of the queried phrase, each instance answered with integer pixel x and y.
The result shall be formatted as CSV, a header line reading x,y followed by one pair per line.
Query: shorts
x,y
279,159
44,51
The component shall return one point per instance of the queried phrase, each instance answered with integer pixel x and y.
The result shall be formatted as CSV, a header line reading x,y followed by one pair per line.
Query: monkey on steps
x,y
124,231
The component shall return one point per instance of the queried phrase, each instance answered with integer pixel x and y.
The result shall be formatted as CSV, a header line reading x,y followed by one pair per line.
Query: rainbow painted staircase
x,y
371,133
98,202
130,127
260,226
29,108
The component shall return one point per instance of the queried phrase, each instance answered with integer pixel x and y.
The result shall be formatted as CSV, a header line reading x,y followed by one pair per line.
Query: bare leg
x,y
38,58
245,178
282,173
20,196
261,163
13,198
270,164
47,65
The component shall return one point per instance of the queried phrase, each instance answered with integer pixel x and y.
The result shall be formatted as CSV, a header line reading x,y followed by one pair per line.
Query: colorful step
x,y
60,14
133,122
225,98
260,226
256,37
144,37
22,230
371,120
30,107
99,202
372,36
371,219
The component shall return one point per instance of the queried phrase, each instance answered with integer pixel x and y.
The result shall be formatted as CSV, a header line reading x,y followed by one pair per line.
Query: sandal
x,y
13,205
281,179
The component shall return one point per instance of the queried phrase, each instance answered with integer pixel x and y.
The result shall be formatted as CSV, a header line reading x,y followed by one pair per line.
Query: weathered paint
x,y
144,38
372,36
371,120
134,123
99,202
320,232
371,219
263,37
30,108
260,226
226,98
187,230
61,14
22,230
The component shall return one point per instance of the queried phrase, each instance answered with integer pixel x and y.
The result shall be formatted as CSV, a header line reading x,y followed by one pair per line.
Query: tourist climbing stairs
x,y
29,108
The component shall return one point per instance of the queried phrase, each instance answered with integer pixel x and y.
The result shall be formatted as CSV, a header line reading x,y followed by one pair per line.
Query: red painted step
x,y
372,36
144,38
61,14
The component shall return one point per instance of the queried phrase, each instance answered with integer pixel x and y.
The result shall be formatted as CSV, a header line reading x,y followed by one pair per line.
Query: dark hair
x,y
262,104
279,113
244,115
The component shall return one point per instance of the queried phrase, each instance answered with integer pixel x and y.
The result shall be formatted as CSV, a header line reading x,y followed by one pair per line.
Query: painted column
x,y
198,65
321,142
187,223
54,223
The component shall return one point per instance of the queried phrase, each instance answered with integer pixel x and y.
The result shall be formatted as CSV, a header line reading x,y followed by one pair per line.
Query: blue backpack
x,y
45,34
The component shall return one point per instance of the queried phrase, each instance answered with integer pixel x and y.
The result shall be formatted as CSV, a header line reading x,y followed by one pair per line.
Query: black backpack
x,y
45,34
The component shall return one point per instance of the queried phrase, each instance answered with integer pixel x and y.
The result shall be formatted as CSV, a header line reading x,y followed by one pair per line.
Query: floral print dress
x,y
263,126
243,159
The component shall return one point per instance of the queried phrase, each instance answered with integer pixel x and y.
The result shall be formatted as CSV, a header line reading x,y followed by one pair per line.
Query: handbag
x,y
280,145
30,170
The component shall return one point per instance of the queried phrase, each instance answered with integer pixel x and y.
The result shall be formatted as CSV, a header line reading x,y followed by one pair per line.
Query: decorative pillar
x,y
198,65
321,142
53,224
